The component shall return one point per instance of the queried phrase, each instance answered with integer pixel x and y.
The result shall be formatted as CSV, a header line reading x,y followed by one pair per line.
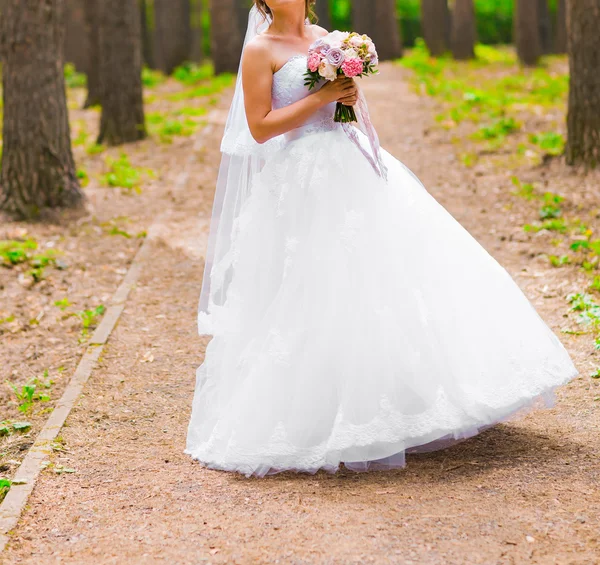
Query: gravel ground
x,y
524,492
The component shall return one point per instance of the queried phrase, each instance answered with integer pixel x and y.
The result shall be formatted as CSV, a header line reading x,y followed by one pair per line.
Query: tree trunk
x,y
561,26
386,30
197,40
362,17
92,20
583,144
435,20
527,31
76,37
147,47
323,11
172,33
38,170
378,19
545,24
121,73
226,37
464,30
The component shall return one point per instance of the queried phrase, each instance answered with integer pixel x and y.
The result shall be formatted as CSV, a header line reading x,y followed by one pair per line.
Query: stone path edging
x,y
26,476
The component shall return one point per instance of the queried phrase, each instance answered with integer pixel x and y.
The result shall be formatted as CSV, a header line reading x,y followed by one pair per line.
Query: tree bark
x,y
435,19
527,31
76,37
464,30
379,20
545,26
147,47
197,40
583,144
121,73
172,33
38,170
227,39
323,11
561,26
92,22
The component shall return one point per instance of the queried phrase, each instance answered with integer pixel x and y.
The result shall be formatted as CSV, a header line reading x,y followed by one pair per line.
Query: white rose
x,y
356,41
336,38
327,71
351,53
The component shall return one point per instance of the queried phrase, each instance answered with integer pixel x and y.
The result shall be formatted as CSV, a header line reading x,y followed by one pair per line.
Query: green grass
x,y
5,485
73,79
493,98
121,174
15,252
191,74
34,391
151,78
211,87
551,143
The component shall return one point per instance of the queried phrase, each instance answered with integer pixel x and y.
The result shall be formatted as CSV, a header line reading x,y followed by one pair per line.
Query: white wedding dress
x,y
361,321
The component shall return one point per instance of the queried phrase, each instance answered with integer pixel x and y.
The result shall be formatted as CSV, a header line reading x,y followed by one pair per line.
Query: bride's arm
x,y
266,123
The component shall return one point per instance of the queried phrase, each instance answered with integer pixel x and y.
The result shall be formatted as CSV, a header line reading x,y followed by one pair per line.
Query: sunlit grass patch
x,y
166,127
191,73
551,142
487,89
151,78
121,174
74,79
212,86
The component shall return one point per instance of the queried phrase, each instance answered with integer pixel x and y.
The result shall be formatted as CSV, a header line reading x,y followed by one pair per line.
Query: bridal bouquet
x,y
341,54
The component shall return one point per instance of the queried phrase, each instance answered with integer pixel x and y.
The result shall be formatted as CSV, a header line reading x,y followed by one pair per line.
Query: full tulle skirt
x,y
362,322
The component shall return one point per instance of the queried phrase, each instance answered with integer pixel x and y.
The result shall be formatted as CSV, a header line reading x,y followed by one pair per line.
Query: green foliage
x,y
63,303
121,174
556,261
31,392
8,428
5,485
95,149
13,252
152,78
586,307
167,128
73,79
524,190
499,129
213,86
494,19
89,318
191,73
557,225
83,177
551,208
551,142
493,98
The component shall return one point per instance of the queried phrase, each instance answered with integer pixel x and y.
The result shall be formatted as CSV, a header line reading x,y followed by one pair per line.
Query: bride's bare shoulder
x,y
258,46
258,52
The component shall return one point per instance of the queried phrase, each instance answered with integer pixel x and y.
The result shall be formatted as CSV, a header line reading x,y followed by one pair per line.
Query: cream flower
x,y
327,71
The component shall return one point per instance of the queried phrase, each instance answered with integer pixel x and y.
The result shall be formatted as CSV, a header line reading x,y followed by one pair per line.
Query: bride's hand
x,y
343,90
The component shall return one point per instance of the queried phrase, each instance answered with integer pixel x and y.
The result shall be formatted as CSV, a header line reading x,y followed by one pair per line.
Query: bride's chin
x,y
274,5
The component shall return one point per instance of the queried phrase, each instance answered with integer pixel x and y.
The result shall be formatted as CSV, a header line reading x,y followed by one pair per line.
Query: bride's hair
x,y
261,6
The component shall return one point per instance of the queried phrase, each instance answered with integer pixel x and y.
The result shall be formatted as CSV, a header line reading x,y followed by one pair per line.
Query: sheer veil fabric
x,y
354,320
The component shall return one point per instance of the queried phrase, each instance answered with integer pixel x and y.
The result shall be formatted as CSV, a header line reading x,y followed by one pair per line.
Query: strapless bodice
x,y
288,87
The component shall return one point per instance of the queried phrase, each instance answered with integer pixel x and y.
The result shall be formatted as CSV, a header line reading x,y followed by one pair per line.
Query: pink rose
x,y
352,67
313,62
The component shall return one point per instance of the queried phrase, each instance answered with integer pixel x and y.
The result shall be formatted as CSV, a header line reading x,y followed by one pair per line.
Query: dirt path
x,y
521,493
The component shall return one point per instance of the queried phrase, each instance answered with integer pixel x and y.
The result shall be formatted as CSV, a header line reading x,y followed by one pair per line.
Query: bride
x,y
353,319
